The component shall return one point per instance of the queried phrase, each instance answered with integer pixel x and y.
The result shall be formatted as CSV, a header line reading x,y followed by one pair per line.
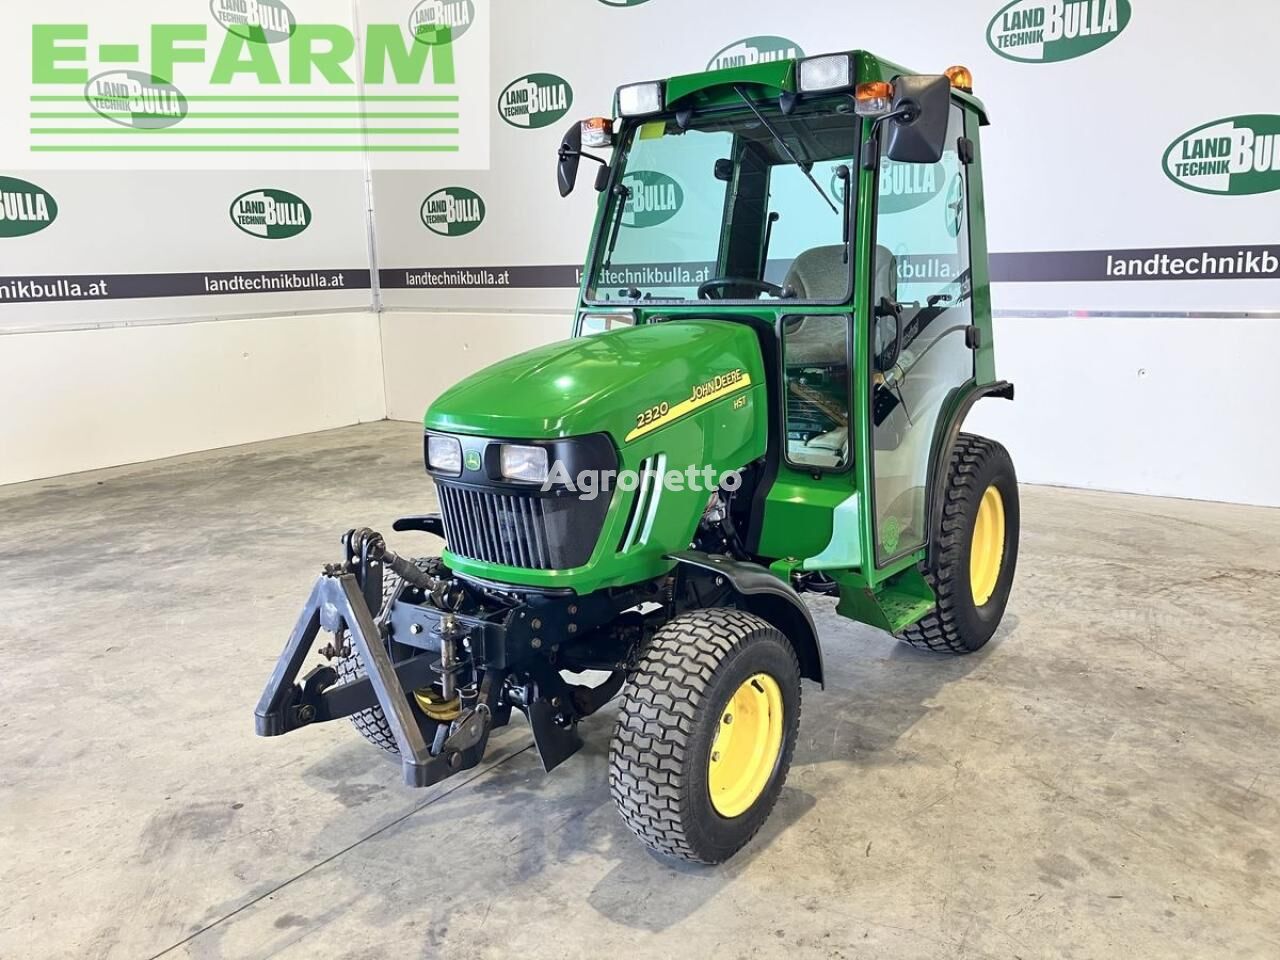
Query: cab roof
x,y
705,88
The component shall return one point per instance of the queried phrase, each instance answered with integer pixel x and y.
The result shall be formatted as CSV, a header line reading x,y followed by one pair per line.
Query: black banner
x,y
147,286
1251,262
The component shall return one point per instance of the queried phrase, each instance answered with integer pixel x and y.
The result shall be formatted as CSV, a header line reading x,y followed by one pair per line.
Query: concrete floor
x,y
1101,781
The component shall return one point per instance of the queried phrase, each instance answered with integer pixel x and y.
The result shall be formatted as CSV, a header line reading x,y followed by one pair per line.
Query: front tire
x,y
372,723
977,550
706,733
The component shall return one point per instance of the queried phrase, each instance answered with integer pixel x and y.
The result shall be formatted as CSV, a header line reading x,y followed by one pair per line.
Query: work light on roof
x,y
831,72
640,99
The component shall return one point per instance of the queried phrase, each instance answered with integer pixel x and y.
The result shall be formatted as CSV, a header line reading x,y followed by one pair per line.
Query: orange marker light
x,y
960,78
873,99
597,132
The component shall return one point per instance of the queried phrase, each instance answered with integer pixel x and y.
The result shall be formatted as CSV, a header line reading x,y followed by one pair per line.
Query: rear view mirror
x,y
724,170
919,133
569,156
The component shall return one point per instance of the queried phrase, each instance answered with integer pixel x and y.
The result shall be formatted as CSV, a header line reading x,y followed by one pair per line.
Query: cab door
x,y
921,315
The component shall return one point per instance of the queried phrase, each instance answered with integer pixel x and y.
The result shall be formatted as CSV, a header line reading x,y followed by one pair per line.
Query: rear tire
x,y
687,781
977,550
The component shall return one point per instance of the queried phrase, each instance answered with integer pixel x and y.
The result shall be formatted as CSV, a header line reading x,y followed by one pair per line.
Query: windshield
x,y
744,204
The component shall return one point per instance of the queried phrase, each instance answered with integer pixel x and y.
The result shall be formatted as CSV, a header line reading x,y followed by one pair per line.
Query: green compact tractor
x,y
784,320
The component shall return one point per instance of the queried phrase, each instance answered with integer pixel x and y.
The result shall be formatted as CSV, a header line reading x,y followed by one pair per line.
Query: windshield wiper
x,y
807,171
623,194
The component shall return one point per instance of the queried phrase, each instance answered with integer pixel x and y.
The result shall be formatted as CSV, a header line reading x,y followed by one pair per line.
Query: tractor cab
x,y
833,204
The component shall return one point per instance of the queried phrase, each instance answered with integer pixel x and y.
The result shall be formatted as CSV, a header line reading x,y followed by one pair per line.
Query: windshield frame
x,y
605,214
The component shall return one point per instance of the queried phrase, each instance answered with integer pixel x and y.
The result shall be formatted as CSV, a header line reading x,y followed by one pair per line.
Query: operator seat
x,y
821,274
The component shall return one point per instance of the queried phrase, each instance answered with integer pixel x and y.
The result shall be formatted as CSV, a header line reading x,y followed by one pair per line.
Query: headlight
x,y
826,73
640,99
524,463
444,454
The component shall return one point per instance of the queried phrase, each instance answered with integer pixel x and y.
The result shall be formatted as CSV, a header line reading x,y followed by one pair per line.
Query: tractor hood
x,y
598,383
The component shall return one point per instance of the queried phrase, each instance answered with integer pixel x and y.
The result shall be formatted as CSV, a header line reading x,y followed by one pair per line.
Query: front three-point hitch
x,y
444,659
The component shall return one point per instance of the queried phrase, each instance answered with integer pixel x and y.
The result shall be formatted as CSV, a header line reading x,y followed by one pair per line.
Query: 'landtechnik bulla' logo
x,y
652,198
753,50
1238,156
1049,31
536,100
24,208
270,214
453,211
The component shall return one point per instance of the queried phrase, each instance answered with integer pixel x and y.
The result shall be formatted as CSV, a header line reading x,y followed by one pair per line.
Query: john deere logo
x,y
453,211
270,214
472,460
755,50
24,208
261,21
538,100
441,21
1047,31
137,100
905,186
1237,156
655,198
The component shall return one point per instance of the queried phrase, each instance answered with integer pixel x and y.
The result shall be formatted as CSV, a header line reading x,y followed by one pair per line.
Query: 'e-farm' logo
x,y
1048,31
536,100
270,214
753,50
1237,156
24,208
453,211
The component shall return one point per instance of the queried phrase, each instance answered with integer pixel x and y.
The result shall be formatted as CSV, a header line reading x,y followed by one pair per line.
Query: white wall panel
x,y
79,400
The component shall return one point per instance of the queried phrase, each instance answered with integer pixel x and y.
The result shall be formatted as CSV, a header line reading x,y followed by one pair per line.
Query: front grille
x,y
520,530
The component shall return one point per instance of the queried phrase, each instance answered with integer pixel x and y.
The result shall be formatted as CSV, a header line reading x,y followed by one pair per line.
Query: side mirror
x,y
569,156
919,135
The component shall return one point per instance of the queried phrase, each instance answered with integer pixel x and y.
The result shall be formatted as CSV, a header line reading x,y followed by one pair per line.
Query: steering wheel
x,y
719,283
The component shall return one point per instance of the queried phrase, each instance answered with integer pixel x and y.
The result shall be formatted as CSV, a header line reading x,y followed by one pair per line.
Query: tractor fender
x,y
942,453
770,598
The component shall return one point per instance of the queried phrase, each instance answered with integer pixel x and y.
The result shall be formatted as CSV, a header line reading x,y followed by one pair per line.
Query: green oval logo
x,y
258,21
1238,156
655,198
753,50
134,99
536,100
24,208
453,211
441,21
1049,31
270,214
905,186
472,460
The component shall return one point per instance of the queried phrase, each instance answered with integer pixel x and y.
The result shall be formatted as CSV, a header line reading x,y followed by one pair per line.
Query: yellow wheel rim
x,y
987,553
746,746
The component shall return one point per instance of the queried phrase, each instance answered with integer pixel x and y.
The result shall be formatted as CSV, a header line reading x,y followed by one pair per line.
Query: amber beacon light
x,y
960,78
